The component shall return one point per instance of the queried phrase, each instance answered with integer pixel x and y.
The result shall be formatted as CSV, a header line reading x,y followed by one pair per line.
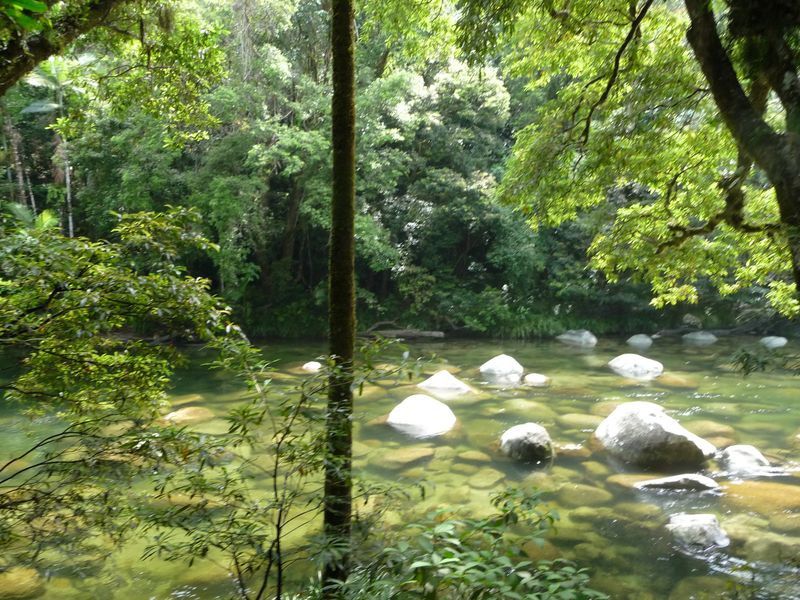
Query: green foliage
x,y
70,309
445,556
628,109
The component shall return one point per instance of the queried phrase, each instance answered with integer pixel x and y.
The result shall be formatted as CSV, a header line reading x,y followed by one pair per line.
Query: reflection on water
x,y
605,523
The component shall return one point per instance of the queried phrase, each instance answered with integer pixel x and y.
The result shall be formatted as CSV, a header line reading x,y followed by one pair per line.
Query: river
x,y
616,531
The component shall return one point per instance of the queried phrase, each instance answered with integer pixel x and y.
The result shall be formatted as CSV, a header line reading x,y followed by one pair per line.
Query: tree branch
x,y
632,33
22,52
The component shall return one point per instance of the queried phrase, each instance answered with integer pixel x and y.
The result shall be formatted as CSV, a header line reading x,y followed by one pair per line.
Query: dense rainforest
x,y
224,107
182,178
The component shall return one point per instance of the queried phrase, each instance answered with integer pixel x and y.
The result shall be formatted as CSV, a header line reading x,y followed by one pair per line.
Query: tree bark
x,y
778,154
23,51
16,142
341,291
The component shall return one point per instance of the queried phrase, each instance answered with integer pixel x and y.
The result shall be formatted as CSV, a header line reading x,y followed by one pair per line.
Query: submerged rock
x,y
642,434
763,497
18,583
636,367
502,369
445,383
579,421
537,380
743,459
312,366
189,415
700,338
580,494
578,337
421,416
687,481
698,531
640,341
773,342
406,456
528,442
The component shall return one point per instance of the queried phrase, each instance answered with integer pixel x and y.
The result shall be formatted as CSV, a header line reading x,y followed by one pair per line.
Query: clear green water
x,y
616,531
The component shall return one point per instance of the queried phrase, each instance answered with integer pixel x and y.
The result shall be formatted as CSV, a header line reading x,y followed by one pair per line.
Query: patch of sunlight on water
x,y
605,524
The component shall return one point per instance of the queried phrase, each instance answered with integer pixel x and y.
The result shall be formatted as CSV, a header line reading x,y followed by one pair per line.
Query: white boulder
x,y
502,369
687,481
528,442
536,380
445,384
642,434
640,341
698,531
421,416
773,342
312,366
636,367
578,337
743,459
700,338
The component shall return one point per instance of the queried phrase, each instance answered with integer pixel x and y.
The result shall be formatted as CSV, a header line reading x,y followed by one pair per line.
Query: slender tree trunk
x,y
68,183
341,314
30,191
13,136
777,153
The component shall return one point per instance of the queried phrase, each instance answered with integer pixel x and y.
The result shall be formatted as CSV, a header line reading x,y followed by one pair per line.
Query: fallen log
x,y
404,333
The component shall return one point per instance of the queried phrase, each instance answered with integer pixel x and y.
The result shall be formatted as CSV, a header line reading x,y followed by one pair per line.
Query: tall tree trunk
x,y
777,153
16,142
63,153
341,291
30,191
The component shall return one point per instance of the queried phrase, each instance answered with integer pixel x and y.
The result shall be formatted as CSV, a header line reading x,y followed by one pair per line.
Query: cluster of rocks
x,y
637,434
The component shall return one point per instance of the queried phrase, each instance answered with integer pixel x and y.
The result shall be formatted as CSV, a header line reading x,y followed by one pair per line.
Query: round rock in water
x,y
578,337
312,366
743,459
700,338
528,442
638,367
502,369
421,416
536,380
688,481
773,342
445,383
698,531
642,434
640,341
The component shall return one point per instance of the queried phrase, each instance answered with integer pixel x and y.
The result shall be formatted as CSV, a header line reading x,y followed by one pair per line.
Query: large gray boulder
x,y
743,459
642,434
700,338
578,337
640,341
502,369
773,342
638,367
528,442
698,531
444,384
421,416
